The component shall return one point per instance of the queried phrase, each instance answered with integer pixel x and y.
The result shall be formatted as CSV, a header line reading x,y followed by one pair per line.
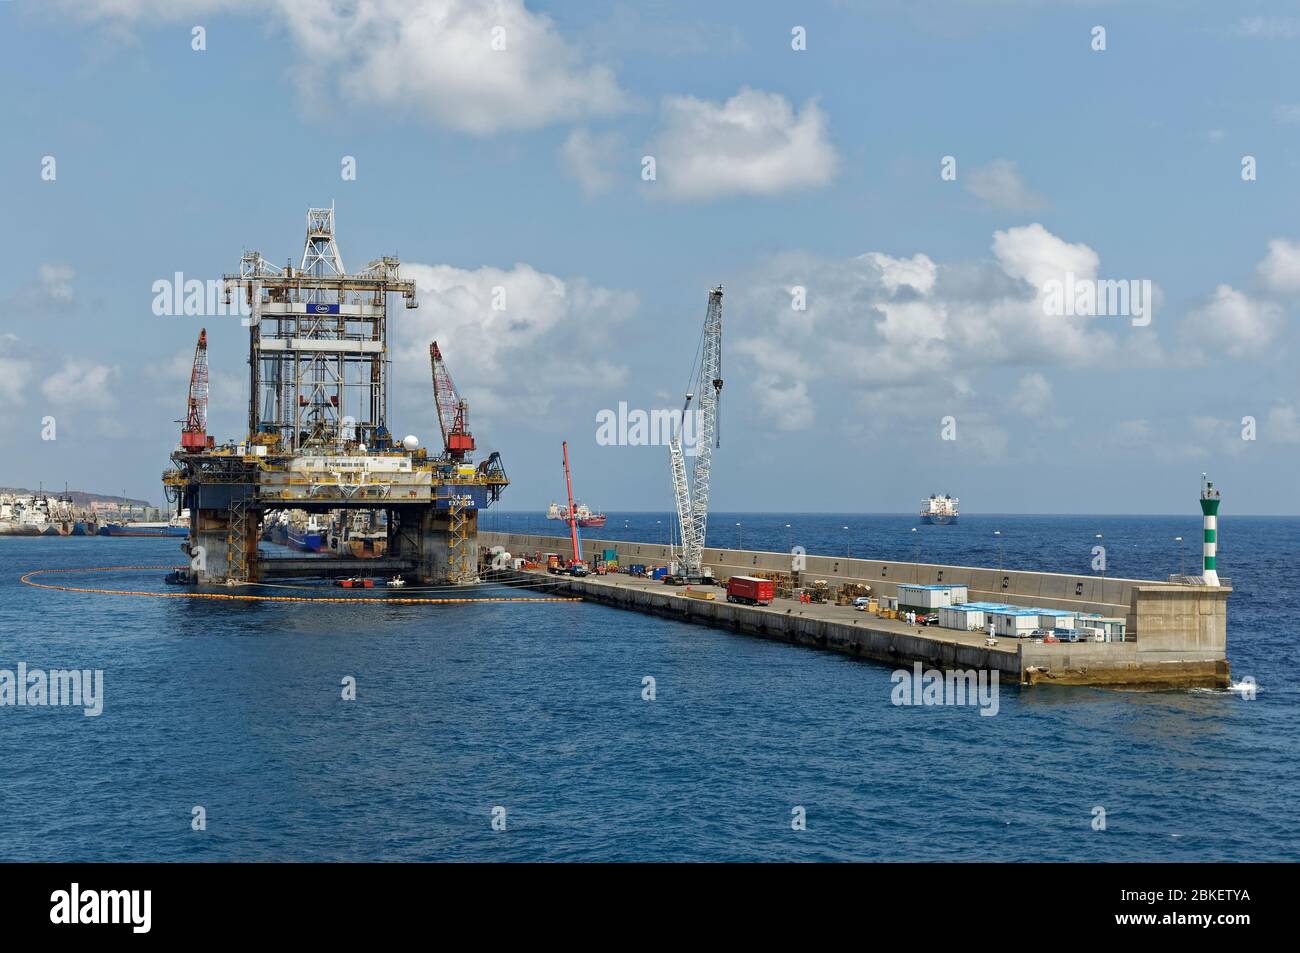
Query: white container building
x,y
969,615
962,617
1112,627
1057,618
930,597
1015,623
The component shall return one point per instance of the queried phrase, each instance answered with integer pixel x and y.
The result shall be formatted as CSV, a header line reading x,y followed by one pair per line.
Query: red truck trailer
x,y
750,590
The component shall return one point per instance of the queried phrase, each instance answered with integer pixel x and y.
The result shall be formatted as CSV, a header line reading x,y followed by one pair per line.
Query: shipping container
x,y
750,590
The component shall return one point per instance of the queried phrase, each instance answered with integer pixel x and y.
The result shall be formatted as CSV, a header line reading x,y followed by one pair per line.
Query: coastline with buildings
x,y
74,513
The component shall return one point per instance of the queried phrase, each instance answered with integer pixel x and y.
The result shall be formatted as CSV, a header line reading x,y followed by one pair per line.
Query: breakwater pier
x,y
1175,632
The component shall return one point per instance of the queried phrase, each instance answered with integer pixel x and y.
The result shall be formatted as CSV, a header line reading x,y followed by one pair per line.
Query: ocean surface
x,y
537,709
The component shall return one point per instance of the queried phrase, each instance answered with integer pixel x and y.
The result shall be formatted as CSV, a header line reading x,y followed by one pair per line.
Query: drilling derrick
x,y
319,439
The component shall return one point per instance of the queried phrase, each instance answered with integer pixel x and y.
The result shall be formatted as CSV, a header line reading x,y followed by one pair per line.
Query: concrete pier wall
x,y
1178,633
1109,596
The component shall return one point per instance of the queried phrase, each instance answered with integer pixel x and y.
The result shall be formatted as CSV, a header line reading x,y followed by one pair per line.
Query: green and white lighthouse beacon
x,y
1210,511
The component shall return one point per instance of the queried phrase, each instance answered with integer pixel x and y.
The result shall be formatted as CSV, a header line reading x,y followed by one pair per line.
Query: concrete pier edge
x,y
1178,632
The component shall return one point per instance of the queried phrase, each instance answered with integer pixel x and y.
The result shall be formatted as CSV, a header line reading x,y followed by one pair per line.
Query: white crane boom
x,y
681,490
693,501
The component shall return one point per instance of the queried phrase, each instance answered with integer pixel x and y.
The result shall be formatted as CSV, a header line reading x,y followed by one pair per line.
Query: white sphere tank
x,y
411,442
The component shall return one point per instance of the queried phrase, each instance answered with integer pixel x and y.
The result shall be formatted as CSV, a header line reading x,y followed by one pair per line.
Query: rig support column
x,y
223,542
448,547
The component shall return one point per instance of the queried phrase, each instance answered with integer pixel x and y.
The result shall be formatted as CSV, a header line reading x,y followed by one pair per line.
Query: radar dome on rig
x,y
411,442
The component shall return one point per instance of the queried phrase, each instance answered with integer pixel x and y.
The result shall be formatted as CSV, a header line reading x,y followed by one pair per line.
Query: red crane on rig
x,y
453,411
194,428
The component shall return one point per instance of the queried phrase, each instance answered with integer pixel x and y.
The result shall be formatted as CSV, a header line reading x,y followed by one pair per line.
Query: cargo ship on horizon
x,y
586,518
939,510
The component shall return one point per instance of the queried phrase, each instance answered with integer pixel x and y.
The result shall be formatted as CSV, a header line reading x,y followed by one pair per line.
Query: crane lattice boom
x,y
194,429
453,412
693,501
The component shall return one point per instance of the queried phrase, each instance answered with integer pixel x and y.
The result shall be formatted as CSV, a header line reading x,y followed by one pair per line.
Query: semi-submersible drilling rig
x,y
318,435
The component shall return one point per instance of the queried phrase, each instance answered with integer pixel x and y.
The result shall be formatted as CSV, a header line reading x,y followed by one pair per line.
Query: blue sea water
x,y
537,708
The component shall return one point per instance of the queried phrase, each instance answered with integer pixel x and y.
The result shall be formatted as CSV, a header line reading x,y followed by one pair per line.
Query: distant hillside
x,y
79,497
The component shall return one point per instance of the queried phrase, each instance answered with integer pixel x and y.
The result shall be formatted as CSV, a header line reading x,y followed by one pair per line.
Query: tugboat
x,y
939,510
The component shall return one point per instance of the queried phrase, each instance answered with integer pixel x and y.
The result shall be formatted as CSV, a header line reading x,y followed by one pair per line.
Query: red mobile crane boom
x,y
573,517
194,428
453,412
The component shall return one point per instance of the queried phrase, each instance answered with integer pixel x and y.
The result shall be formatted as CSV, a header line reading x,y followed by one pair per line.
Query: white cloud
x,y
433,59
999,184
1033,395
170,380
15,371
1282,426
988,439
56,281
593,159
917,272
1130,434
1234,323
550,339
786,406
753,144
82,384
1035,255
908,333
1287,112
1280,269
1272,28
153,9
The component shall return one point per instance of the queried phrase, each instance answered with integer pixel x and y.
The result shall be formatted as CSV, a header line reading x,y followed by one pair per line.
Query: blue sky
x,y
775,169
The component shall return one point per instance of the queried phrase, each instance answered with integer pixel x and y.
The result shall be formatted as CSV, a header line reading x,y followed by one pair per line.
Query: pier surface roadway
x,y
1132,664
829,612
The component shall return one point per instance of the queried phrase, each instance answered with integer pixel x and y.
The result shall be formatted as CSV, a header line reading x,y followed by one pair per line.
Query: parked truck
x,y
750,590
